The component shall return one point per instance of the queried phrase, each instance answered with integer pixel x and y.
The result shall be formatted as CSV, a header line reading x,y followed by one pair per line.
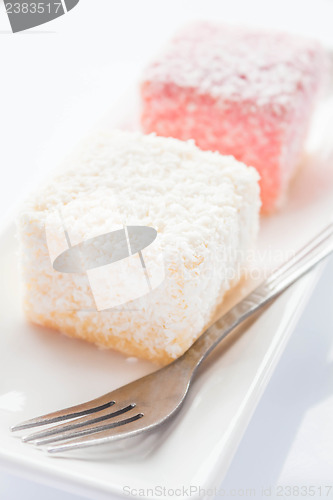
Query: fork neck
x,y
216,333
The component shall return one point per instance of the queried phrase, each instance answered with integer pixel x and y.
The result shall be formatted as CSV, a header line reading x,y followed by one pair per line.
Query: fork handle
x,y
301,263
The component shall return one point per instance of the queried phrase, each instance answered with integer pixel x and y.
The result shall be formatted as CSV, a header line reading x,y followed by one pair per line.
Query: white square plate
x,y
43,371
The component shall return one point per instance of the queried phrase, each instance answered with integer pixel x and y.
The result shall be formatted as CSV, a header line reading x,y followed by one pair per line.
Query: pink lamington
x,y
238,91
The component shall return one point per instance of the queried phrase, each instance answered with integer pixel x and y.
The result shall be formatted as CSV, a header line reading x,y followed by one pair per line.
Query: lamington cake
x,y
238,91
135,241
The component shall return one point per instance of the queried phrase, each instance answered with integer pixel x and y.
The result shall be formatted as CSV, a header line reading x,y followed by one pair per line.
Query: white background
x,y
56,82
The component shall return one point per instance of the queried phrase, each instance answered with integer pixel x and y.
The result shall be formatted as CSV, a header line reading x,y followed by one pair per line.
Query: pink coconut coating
x,y
238,91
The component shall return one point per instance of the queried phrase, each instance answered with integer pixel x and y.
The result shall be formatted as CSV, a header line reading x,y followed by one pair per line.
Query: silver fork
x,y
149,402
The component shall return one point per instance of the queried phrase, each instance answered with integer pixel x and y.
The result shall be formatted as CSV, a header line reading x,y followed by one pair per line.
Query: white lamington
x,y
204,207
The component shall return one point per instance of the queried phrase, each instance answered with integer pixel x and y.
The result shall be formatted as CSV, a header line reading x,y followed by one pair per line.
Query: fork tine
x,y
99,434
68,427
93,406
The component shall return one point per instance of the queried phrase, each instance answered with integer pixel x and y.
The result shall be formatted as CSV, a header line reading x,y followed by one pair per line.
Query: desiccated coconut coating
x,y
204,207
238,91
